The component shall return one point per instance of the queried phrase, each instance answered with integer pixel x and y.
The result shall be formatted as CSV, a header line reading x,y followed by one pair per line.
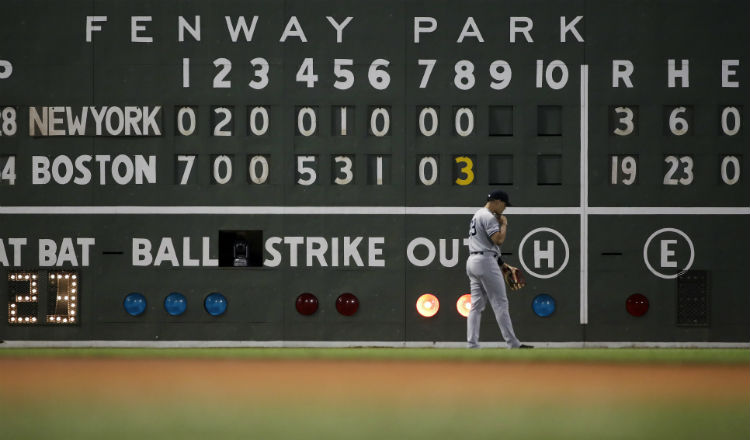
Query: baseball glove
x,y
513,277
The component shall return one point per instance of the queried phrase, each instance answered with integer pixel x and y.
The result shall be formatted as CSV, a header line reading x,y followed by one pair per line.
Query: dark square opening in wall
x,y
549,169
549,120
693,299
501,120
241,248
501,169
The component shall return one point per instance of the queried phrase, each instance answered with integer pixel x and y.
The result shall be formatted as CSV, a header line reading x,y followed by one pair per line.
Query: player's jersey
x,y
482,226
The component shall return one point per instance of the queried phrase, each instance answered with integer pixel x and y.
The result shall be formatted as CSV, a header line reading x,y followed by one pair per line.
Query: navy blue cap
x,y
499,195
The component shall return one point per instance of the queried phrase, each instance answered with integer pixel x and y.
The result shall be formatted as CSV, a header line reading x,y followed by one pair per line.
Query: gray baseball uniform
x,y
486,279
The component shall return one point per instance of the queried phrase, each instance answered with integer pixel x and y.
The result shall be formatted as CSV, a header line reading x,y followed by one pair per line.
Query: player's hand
x,y
513,277
503,221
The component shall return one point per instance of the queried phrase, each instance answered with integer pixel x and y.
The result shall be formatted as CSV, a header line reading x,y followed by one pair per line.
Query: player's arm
x,y
499,237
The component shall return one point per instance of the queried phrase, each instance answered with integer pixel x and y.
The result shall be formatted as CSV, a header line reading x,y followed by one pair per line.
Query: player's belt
x,y
494,254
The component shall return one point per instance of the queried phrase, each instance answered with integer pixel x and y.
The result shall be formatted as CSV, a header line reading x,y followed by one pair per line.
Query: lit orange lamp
x,y
428,305
463,305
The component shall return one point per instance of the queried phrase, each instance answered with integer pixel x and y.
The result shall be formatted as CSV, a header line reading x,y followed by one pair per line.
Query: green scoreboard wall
x,y
187,170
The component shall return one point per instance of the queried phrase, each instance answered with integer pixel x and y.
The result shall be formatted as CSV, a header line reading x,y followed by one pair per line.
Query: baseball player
x,y
486,234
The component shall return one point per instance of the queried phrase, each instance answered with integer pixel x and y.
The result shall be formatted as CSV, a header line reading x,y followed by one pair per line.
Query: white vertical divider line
x,y
584,259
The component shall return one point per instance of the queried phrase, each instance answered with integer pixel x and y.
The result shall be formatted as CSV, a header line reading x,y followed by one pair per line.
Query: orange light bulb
x,y
428,305
463,305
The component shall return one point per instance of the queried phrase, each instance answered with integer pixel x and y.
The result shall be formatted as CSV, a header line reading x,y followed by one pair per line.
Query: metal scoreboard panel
x,y
358,151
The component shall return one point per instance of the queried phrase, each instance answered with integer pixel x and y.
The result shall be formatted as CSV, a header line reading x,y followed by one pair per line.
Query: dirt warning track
x,y
397,382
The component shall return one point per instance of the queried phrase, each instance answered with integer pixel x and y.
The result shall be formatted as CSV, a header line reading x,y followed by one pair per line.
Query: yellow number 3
x,y
467,170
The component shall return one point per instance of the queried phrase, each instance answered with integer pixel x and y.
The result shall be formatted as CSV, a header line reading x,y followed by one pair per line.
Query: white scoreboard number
x,y
625,121
8,124
730,170
464,76
730,121
623,169
679,170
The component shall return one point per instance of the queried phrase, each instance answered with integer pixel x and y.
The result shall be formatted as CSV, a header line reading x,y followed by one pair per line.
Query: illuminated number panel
x,y
62,298
25,296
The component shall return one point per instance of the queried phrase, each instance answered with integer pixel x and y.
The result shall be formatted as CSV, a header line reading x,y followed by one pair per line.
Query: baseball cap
x,y
499,195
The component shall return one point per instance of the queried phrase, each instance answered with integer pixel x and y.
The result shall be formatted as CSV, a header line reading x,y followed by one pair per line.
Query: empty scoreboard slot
x,y
501,169
611,254
501,120
549,169
549,120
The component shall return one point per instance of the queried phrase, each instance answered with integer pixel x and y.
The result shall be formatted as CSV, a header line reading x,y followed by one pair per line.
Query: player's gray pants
x,y
487,283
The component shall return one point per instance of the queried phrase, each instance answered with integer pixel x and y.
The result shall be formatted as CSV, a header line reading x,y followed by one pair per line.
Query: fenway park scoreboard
x,y
306,170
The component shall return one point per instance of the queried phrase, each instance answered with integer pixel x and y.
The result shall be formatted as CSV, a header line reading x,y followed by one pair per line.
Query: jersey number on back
x,y
473,228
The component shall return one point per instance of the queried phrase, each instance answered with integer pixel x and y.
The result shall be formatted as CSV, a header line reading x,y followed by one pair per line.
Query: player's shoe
x,y
526,346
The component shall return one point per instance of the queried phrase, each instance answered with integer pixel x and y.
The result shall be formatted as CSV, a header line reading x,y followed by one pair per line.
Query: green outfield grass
x,y
608,355
221,415
504,420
